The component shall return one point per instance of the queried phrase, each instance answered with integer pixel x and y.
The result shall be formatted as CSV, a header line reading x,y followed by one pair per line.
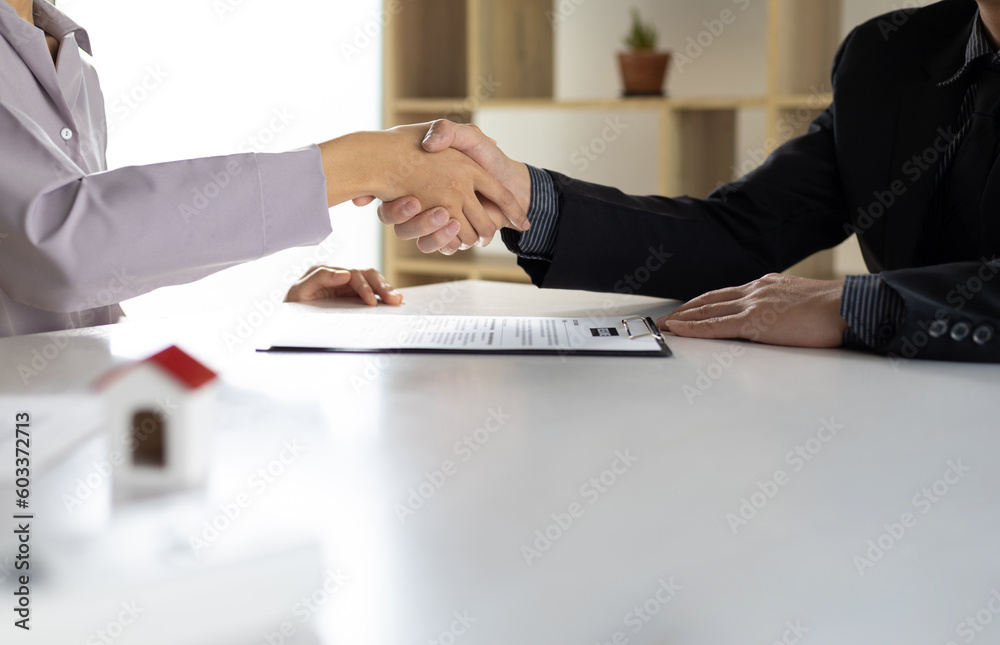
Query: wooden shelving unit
x,y
441,54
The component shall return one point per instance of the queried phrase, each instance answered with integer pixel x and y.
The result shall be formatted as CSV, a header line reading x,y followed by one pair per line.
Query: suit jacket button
x,y
961,331
982,335
938,328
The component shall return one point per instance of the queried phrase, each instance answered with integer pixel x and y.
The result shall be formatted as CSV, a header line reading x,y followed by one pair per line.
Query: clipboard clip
x,y
647,322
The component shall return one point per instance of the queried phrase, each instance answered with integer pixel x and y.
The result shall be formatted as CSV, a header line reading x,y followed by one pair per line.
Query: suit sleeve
x,y
781,213
786,210
66,233
951,312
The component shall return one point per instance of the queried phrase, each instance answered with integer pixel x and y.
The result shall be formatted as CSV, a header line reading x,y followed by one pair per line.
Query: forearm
x,y
952,311
944,312
142,228
360,164
789,208
606,240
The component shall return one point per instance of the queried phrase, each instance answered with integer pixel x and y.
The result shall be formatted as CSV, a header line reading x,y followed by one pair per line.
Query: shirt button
x,y
66,134
961,331
982,335
938,328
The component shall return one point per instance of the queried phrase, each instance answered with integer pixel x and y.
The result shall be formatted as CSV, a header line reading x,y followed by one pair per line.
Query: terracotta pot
x,y
644,72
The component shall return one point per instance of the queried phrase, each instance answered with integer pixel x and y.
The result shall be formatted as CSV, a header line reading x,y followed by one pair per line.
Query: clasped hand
x,y
471,203
469,187
438,226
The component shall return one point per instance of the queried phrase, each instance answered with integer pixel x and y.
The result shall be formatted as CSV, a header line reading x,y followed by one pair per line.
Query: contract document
x,y
612,336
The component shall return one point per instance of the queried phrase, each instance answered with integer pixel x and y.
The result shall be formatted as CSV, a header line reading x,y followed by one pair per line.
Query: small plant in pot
x,y
644,70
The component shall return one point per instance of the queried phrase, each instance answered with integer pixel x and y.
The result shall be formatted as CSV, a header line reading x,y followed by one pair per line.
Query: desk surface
x,y
735,493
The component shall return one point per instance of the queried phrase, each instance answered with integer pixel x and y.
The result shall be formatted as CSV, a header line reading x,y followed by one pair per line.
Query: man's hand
x,y
431,227
776,309
329,283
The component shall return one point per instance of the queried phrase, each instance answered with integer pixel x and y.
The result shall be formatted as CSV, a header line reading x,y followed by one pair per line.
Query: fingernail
x,y
431,136
410,209
453,227
439,217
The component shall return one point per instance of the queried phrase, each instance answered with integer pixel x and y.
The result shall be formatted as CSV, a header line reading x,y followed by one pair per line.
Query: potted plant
x,y
644,70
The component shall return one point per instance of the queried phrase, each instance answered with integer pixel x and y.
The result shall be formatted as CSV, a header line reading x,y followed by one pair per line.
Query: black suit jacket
x,y
866,166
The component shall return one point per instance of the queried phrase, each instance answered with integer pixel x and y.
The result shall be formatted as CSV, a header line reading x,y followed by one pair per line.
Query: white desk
x,y
374,426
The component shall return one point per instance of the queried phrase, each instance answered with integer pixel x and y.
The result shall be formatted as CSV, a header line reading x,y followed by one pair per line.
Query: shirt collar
x,y
978,47
53,22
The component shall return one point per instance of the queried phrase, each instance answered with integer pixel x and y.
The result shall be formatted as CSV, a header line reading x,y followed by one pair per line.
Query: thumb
x,y
444,134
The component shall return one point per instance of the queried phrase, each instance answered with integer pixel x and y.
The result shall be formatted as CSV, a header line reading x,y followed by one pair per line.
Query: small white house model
x,y
160,412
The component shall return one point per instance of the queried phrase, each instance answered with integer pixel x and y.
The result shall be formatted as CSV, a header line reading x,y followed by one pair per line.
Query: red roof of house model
x,y
183,367
174,361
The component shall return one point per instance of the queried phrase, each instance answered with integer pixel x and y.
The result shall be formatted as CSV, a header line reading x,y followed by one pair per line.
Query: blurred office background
x,y
192,78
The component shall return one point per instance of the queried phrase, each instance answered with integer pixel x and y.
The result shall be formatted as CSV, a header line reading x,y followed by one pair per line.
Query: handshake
x,y
449,187
446,185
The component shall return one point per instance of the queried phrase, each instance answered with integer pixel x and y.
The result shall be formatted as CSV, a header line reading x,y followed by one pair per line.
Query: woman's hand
x,y
329,283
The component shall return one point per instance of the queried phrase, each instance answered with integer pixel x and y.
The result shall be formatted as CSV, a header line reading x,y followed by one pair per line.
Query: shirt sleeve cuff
x,y
293,199
539,242
873,311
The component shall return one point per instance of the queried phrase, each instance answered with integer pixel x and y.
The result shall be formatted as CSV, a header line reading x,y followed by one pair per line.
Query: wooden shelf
x,y
436,29
444,265
444,105
454,58
803,40
464,265
429,105
709,103
813,101
512,49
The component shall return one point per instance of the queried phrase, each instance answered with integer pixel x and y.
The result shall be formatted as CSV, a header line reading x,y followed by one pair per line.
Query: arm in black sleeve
x,y
776,216
951,312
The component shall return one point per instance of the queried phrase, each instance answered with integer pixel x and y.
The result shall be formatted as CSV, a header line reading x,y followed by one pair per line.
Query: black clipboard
x,y
649,330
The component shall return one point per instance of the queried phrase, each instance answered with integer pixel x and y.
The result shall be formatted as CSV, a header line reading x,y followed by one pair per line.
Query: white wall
x,y
857,11
589,35
732,64
220,71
